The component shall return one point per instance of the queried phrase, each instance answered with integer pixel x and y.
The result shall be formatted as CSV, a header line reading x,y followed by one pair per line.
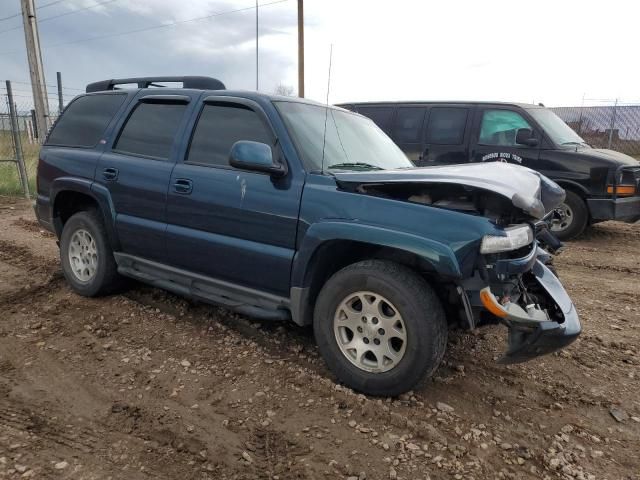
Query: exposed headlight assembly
x,y
516,237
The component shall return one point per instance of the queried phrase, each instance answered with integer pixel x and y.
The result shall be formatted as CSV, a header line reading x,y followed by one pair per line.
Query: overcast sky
x,y
554,52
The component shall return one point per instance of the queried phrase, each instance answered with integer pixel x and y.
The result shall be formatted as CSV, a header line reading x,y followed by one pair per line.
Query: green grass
x,y
9,178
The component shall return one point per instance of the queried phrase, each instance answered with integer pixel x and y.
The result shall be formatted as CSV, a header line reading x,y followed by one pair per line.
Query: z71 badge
x,y
501,157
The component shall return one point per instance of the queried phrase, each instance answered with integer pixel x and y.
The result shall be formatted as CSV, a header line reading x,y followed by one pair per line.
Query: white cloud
x,y
550,51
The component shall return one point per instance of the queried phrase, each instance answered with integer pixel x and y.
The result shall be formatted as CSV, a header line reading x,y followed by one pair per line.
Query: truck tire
x,y
574,217
86,255
380,327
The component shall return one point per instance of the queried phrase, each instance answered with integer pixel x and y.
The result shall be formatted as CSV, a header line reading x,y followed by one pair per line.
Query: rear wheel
x,y
380,327
570,217
86,255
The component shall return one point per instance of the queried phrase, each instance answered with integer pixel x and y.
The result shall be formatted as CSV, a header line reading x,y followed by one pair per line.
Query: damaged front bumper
x,y
530,337
532,330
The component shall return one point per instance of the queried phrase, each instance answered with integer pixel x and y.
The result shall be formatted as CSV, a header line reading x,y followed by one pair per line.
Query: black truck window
x,y
219,127
408,124
150,130
85,120
446,125
499,127
381,116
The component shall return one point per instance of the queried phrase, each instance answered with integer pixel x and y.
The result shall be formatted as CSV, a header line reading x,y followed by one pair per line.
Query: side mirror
x,y
255,156
524,136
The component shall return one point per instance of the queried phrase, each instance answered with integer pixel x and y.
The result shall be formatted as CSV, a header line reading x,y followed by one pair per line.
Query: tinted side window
x,y
446,125
219,127
380,115
85,120
408,124
499,127
151,129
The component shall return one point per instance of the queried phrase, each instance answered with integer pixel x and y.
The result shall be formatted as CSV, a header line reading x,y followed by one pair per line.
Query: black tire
x,y
580,217
415,301
106,278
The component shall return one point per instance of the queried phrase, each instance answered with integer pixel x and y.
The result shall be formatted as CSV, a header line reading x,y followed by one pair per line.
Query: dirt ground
x,y
148,385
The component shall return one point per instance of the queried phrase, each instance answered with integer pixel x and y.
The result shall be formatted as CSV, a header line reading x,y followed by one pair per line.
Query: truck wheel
x,y
571,217
86,256
380,327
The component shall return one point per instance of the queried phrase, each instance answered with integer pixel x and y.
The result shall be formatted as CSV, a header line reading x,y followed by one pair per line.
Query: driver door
x,y
495,139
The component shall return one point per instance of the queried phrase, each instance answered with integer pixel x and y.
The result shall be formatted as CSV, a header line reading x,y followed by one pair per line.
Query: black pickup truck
x,y
600,184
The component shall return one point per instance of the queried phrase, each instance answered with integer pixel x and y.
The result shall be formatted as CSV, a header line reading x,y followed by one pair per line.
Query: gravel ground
x,y
148,385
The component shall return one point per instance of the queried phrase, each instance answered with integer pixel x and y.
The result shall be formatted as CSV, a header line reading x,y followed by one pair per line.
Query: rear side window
x,y
381,116
446,125
151,129
219,127
408,124
84,121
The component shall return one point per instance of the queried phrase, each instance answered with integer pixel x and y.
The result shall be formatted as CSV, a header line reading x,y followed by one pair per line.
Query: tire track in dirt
x,y
599,266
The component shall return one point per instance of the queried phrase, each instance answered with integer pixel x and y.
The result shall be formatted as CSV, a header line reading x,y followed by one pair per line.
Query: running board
x,y
247,301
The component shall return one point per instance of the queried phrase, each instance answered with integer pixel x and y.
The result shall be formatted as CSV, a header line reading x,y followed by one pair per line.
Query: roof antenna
x,y
326,112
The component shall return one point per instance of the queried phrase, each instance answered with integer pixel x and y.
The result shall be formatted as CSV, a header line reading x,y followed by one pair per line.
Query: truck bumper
x,y
527,339
623,209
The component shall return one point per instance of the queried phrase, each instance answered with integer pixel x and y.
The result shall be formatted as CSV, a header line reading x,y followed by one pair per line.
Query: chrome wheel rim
x,y
370,332
83,255
563,218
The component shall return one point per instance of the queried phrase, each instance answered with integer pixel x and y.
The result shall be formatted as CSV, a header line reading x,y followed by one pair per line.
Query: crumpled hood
x,y
527,189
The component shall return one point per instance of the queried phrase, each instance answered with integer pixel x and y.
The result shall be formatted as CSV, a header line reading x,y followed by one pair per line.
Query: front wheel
x,y
570,217
380,327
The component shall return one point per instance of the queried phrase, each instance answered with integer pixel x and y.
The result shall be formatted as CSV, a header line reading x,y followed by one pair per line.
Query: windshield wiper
x,y
356,165
574,143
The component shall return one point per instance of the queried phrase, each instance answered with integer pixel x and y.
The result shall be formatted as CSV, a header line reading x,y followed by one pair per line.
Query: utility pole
x,y
36,70
300,49
257,32
60,96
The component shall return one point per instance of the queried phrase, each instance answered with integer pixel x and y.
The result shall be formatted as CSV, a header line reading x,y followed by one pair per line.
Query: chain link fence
x,y
608,124
20,140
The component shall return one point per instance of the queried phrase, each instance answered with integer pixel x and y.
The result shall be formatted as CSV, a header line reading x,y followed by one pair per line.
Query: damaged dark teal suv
x,y
281,208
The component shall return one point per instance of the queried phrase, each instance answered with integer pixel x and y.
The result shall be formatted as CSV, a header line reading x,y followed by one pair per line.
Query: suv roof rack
x,y
202,83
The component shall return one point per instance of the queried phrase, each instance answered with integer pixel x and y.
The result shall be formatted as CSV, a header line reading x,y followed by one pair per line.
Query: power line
x,y
76,11
153,27
48,85
55,2
19,14
61,15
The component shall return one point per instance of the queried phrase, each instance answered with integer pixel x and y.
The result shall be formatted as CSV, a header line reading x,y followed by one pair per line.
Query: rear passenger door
x,y
232,225
446,135
137,168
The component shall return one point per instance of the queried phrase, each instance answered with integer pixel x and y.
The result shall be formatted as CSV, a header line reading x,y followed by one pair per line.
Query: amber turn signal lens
x,y
491,303
622,189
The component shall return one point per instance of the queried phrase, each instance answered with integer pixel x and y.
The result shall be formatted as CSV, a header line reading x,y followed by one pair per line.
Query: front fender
x,y
439,256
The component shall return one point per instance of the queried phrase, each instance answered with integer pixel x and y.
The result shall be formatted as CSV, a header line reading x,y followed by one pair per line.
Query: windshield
x,y
559,132
352,142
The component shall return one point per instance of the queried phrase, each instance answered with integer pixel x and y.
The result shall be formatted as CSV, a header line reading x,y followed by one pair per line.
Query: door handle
x,y
183,186
110,174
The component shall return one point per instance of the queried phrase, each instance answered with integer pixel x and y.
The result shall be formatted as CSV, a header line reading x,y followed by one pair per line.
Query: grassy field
x,y
9,179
